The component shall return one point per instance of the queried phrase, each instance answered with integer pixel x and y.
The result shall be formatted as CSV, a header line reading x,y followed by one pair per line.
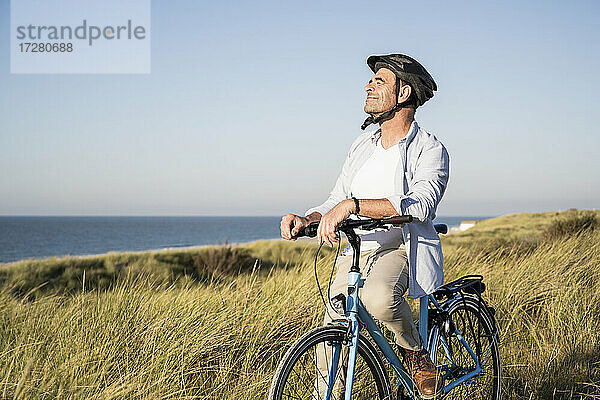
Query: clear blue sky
x,y
251,106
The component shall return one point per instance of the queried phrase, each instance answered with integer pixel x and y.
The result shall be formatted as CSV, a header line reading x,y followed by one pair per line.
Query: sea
x,y
23,237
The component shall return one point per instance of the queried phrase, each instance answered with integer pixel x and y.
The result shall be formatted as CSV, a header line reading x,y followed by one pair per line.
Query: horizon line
x,y
204,216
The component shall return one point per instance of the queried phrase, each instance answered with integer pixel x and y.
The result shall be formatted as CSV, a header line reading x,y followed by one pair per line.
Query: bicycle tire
x,y
293,374
475,324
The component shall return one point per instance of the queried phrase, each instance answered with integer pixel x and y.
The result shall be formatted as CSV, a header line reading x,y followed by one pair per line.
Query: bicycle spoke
x,y
304,380
455,361
307,381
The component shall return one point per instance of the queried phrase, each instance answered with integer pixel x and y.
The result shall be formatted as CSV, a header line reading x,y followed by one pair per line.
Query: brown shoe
x,y
424,374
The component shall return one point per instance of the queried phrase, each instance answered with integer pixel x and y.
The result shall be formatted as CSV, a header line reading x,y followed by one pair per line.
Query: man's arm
x,y
376,208
372,208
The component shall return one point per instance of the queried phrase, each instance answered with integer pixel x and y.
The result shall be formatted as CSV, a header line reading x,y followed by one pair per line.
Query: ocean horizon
x,y
24,237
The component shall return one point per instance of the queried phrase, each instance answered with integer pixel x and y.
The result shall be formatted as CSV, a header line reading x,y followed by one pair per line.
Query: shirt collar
x,y
414,127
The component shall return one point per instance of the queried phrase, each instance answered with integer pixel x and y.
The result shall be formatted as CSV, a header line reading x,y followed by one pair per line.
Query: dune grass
x,y
212,323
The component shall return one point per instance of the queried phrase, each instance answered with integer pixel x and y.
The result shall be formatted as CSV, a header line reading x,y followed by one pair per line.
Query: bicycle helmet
x,y
409,71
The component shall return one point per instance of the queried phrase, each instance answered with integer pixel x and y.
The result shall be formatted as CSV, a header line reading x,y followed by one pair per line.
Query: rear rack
x,y
472,284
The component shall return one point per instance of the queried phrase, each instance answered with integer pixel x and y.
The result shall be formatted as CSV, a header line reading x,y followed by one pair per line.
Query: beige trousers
x,y
385,272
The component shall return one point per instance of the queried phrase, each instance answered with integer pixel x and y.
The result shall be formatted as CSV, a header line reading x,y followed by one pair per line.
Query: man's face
x,y
381,92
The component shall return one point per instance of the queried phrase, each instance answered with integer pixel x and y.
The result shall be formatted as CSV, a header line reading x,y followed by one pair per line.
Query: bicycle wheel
x,y
452,358
298,375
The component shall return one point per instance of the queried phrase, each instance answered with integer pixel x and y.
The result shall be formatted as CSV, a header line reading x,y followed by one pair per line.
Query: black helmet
x,y
409,71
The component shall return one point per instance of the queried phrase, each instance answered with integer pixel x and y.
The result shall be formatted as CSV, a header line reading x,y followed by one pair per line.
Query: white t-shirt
x,y
375,180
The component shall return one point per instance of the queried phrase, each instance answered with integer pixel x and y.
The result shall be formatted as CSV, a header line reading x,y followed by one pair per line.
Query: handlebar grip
x,y
399,219
441,228
310,230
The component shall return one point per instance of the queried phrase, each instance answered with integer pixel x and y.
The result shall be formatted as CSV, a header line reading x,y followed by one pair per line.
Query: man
x,y
396,170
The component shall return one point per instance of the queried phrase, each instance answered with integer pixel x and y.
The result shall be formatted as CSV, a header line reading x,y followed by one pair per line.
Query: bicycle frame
x,y
358,317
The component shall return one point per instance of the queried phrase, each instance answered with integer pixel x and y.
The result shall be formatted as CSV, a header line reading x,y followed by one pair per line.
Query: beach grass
x,y
213,322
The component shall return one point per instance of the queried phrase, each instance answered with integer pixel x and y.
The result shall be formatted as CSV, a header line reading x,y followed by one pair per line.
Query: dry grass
x,y
213,323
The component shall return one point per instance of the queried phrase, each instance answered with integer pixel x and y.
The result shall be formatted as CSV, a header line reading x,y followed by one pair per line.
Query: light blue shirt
x,y
420,181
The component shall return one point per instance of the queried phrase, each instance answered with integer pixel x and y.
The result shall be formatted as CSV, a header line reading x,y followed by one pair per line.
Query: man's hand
x,y
291,225
330,221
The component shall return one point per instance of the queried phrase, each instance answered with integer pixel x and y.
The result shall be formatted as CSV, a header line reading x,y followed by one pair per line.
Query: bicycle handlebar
x,y
370,223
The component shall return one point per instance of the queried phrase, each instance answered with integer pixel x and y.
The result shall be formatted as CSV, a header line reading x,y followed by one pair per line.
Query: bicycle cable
x,y
325,303
332,269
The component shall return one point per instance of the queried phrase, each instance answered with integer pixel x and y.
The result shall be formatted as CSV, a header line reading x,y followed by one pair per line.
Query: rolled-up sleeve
x,y
427,185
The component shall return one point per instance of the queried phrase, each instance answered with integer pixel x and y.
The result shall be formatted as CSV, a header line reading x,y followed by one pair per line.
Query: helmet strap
x,y
384,116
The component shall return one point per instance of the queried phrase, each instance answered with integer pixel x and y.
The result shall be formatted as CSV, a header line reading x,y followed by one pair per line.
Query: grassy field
x,y
212,323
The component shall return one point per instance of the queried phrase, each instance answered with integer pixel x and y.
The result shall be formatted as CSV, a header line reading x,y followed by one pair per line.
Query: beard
x,y
377,106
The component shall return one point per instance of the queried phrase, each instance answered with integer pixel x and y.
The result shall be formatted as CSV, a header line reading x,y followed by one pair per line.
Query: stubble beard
x,y
377,107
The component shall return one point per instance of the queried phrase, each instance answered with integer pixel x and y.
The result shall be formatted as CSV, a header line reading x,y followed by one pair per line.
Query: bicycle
x,y
457,328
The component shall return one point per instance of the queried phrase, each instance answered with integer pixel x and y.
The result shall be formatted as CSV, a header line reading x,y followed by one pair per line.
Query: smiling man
x,y
397,169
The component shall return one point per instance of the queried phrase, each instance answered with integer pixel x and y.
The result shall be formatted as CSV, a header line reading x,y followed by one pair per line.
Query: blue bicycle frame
x,y
357,317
